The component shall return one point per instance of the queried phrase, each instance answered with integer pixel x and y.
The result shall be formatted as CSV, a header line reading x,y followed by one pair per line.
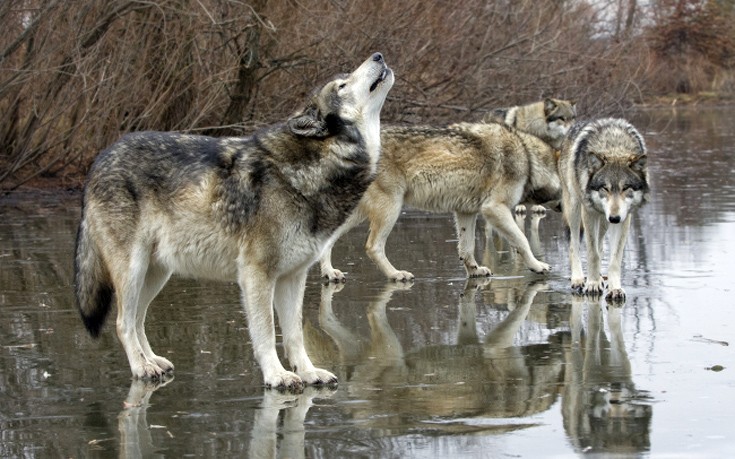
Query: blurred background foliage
x,y
75,75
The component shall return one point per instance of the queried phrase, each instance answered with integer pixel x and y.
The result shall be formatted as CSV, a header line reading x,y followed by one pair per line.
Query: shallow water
x,y
511,367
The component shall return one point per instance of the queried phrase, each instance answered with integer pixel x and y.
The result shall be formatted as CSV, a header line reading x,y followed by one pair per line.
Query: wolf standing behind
x,y
604,177
548,119
256,209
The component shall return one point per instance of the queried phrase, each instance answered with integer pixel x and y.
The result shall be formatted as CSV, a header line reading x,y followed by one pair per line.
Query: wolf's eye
x,y
342,85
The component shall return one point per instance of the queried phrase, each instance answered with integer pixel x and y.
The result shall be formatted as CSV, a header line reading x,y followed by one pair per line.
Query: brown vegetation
x,y
76,75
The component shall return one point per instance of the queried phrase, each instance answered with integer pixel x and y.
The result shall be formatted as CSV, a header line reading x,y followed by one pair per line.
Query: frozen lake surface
x,y
514,366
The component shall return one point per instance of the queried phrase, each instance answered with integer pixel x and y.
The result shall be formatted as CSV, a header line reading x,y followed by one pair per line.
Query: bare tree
x,y
74,76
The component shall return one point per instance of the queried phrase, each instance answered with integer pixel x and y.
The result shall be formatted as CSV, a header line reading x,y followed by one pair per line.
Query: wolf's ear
x,y
549,105
308,124
638,163
596,161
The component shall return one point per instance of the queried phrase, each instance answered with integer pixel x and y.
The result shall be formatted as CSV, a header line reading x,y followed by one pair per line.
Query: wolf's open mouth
x,y
381,78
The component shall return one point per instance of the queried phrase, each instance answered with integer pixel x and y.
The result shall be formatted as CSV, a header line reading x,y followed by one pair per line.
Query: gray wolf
x,y
256,209
549,119
466,168
604,173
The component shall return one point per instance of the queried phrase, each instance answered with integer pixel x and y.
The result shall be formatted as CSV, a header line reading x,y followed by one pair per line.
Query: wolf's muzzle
x,y
378,57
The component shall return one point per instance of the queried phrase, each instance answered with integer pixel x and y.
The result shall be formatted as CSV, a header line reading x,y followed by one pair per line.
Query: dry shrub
x,y
76,75
693,46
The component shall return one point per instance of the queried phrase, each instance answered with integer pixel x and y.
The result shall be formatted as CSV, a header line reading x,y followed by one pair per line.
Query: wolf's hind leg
x,y
129,285
465,224
155,279
288,301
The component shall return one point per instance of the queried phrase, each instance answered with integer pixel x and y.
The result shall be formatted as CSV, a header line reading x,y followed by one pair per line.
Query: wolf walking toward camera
x,y
604,174
258,210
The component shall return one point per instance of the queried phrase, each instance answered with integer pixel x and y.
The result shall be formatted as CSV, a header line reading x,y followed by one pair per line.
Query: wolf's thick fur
x,y
467,168
605,177
548,119
255,209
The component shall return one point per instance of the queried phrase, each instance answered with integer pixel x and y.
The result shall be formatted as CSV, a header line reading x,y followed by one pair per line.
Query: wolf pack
x,y
261,210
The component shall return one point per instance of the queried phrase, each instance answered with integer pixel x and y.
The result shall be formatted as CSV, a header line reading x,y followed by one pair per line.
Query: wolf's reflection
x,y
602,409
269,438
266,433
135,434
489,377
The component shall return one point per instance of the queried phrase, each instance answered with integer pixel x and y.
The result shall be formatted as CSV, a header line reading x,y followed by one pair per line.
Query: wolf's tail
x,y
91,282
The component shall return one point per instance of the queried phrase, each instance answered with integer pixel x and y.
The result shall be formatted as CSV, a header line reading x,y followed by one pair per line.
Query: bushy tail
x,y
91,282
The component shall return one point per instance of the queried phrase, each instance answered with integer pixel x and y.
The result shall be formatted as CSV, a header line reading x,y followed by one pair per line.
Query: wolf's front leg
x,y
258,292
288,301
573,218
502,219
618,237
465,224
328,271
594,230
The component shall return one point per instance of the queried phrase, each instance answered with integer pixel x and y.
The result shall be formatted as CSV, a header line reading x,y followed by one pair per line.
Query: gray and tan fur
x,y
604,173
548,119
258,210
467,168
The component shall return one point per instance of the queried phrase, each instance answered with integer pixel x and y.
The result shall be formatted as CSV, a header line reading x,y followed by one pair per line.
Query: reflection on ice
x,y
602,408
476,377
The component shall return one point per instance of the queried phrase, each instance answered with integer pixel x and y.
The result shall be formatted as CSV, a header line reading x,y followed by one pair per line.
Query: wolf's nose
x,y
377,57
614,218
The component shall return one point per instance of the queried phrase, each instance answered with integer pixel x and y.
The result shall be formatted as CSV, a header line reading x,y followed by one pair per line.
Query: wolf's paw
x,y
540,268
594,288
401,276
334,275
520,209
149,371
285,380
164,363
318,377
538,210
615,295
478,271
578,286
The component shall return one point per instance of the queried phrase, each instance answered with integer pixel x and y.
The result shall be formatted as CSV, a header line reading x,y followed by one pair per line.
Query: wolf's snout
x,y
614,219
378,57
